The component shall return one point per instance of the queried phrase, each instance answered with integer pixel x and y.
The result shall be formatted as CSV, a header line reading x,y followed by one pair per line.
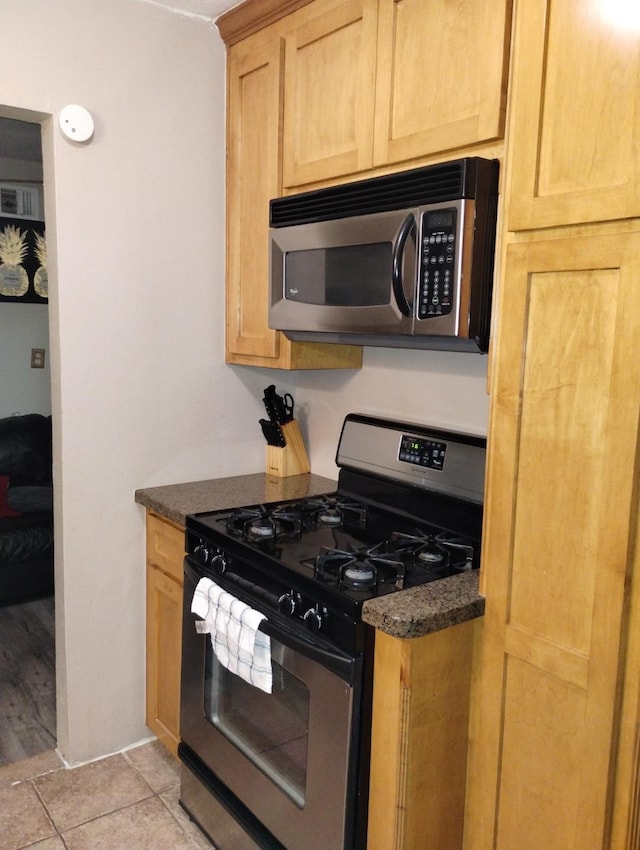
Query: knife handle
x,y
275,405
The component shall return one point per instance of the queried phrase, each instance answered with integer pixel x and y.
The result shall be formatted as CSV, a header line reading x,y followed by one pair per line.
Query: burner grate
x,y
334,511
262,525
358,569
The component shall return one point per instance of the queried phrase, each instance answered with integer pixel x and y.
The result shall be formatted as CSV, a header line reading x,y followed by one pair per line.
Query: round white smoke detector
x,y
76,123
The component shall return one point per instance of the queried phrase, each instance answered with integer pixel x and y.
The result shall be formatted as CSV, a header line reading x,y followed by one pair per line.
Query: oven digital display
x,y
422,452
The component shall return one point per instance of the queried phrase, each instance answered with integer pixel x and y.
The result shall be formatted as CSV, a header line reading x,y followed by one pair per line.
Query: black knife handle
x,y
272,433
274,405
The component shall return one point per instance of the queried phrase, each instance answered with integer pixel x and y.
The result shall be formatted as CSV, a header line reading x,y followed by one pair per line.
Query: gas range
x,y
290,768
407,511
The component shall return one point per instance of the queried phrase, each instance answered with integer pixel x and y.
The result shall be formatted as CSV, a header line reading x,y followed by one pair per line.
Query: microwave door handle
x,y
407,228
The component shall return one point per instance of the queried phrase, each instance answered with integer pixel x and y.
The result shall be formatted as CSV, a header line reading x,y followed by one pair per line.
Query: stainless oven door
x,y
351,275
287,756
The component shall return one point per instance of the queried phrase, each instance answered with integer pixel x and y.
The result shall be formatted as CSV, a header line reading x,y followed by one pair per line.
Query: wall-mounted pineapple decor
x,y
23,261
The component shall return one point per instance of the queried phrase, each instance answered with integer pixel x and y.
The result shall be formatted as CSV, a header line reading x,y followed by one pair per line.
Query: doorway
x,y
27,627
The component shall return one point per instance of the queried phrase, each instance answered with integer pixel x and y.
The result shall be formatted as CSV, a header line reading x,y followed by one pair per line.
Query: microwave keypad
x,y
437,263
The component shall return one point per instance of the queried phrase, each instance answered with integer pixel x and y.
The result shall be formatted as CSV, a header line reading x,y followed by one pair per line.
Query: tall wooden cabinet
x,y
165,556
553,758
562,466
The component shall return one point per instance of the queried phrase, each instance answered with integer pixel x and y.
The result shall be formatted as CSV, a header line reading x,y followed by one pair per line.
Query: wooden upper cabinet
x,y
441,76
253,177
575,135
329,91
373,82
254,122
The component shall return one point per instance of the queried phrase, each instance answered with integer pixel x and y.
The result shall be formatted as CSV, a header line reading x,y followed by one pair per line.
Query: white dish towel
x,y
233,625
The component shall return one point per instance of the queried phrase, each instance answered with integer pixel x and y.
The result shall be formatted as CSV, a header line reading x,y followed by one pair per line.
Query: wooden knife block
x,y
290,459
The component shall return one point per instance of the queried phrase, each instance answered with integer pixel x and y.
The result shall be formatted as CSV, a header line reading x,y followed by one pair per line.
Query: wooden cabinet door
x,y
254,118
441,76
164,641
419,740
575,126
329,91
557,546
165,553
253,178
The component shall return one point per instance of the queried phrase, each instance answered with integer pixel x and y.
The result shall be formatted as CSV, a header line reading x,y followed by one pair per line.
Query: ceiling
x,y
210,9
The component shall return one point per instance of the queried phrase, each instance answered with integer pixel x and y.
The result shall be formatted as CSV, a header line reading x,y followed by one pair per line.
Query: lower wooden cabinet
x,y
421,696
165,555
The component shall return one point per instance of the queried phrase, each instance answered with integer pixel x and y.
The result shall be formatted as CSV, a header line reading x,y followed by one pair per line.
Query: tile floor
x,y
128,801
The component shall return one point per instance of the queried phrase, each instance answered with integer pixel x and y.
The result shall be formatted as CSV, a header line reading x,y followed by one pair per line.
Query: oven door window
x,y
271,730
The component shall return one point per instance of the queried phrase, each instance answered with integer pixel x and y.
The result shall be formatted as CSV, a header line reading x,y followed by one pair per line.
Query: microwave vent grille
x,y
431,184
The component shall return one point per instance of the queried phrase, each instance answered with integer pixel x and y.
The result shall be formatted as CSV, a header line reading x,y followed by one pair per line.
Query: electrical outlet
x,y
37,358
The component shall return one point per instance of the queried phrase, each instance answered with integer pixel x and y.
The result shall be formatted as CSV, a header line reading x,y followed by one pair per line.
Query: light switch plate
x,y
37,358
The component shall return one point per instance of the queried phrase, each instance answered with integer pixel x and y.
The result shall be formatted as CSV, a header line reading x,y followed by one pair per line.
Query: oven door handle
x,y
338,662
343,664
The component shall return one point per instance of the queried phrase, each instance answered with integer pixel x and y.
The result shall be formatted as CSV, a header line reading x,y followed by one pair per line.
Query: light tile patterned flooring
x,y
127,801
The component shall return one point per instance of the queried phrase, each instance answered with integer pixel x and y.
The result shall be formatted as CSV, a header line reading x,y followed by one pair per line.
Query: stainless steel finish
x,y
336,252
388,340
211,816
366,447
320,823
454,323
289,314
299,318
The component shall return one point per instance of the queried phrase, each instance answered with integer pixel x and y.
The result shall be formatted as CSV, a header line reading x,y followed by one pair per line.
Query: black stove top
x,y
319,559
337,545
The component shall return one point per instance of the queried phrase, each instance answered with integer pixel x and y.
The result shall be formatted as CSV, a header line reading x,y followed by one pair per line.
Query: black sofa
x,y
26,509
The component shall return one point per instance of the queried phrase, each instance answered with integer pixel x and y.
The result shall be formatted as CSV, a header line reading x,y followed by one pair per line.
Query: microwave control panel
x,y
437,262
422,452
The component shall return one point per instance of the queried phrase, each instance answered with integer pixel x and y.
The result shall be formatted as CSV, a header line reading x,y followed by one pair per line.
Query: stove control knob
x,y
313,620
219,563
287,603
203,554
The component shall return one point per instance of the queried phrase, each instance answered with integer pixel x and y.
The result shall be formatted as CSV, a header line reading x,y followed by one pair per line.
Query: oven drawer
x,y
201,799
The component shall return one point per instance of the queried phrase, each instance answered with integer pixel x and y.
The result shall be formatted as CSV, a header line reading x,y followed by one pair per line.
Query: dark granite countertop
x,y
406,614
177,501
428,608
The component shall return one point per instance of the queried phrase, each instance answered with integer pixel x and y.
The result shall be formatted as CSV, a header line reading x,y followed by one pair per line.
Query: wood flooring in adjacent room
x,y
27,680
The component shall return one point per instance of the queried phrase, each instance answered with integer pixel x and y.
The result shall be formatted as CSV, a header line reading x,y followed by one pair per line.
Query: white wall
x,y
23,389
140,392
444,389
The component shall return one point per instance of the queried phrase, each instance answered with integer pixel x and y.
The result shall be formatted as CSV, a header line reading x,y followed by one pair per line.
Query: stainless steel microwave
x,y
403,260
